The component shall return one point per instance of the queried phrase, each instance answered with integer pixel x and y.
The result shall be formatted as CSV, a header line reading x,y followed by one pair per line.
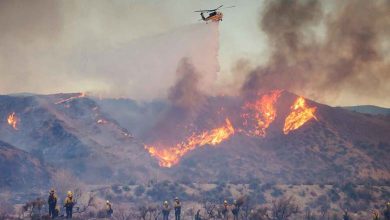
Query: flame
x,y
299,115
260,114
13,120
170,156
102,121
80,95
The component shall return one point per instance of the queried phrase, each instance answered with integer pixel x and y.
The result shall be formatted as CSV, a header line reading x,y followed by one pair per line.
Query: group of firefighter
x,y
166,209
54,209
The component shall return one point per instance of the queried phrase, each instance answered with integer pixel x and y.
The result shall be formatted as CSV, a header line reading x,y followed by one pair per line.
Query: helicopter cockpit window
x,y
213,13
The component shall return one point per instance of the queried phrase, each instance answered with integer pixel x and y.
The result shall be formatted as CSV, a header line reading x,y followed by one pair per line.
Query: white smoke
x,y
146,68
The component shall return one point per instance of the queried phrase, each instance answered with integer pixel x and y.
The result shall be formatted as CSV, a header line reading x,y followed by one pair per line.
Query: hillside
x,y
107,141
21,170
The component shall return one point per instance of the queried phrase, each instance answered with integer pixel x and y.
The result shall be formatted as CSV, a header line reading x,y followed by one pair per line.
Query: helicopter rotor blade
x,y
232,6
218,7
209,10
204,10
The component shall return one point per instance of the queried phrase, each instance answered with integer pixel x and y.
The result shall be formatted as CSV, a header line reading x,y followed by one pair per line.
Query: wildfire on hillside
x,y
299,115
79,95
258,115
169,156
254,119
13,120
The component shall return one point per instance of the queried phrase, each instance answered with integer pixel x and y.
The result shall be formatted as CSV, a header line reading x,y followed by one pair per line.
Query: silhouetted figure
x,y
68,204
52,203
225,210
165,211
235,210
109,210
177,206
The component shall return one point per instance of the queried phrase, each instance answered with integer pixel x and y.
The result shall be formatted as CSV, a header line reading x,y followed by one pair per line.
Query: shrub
x,y
139,190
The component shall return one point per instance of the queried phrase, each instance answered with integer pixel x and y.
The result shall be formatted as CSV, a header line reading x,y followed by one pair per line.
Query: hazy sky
x,y
132,48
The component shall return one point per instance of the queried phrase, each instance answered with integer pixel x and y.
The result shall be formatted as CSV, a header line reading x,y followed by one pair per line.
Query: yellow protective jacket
x,y
69,203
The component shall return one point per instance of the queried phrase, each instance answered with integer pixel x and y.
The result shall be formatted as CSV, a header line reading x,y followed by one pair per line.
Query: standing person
x,y
177,206
52,202
165,211
109,210
68,204
235,210
225,210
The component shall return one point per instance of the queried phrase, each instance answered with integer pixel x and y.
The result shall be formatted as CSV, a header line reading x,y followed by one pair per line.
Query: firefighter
x,y
235,210
52,202
386,213
165,211
225,210
68,204
109,210
177,206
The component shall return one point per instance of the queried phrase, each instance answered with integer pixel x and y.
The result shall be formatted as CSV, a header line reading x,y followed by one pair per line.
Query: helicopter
x,y
213,14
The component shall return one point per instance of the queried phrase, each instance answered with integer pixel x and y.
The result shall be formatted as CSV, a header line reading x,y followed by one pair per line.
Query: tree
x,y
284,208
210,208
259,214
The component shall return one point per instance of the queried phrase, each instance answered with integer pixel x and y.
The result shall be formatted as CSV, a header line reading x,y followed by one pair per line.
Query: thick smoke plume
x,y
321,54
184,101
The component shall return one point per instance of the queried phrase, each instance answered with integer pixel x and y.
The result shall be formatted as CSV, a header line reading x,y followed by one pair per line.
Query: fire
x,y
256,117
102,121
170,156
80,95
13,120
260,114
299,115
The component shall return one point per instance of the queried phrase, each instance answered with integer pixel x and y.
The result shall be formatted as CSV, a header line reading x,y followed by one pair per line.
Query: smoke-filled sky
x,y
336,52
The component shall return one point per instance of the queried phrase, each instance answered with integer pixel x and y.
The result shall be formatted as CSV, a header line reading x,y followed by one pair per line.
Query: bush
x,y
139,190
333,195
276,192
166,190
126,188
116,189
349,190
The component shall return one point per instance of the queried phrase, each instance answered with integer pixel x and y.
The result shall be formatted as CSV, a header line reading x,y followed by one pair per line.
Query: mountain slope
x,y
90,137
21,170
69,132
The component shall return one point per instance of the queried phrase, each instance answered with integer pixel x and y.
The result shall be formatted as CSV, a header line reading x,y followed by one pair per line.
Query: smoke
x,y
110,48
342,53
184,99
145,68
185,93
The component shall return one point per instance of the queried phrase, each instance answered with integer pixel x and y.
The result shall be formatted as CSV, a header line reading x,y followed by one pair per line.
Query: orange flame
x,y
80,95
170,156
299,115
260,114
13,120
